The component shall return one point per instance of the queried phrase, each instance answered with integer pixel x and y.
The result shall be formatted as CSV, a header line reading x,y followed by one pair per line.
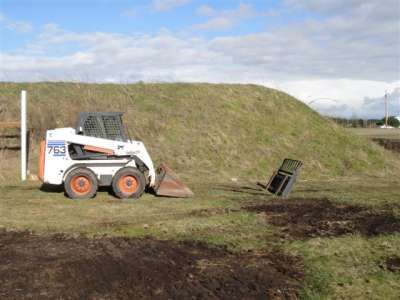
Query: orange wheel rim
x,y
128,184
81,185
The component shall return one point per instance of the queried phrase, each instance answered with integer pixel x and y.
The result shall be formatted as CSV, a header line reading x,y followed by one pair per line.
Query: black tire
x,y
81,183
128,182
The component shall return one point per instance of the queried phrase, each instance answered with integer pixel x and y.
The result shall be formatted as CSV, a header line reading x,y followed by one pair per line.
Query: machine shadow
x,y
50,188
250,190
58,189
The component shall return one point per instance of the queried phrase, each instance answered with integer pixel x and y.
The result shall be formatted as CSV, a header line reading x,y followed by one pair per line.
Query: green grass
x,y
350,267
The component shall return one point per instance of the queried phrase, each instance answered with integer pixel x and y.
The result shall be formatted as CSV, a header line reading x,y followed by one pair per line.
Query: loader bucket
x,y
168,184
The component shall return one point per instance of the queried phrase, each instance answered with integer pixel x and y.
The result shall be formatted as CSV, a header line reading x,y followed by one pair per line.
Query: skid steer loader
x,y
99,152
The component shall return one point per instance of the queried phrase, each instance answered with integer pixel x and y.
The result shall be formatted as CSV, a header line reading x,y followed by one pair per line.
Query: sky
x,y
338,56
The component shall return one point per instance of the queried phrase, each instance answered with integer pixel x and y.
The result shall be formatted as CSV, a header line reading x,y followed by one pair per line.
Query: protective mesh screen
x,y
290,166
104,126
113,127
92,127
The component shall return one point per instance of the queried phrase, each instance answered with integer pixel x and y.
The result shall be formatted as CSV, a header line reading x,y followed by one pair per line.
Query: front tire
x,y
128,183
81,183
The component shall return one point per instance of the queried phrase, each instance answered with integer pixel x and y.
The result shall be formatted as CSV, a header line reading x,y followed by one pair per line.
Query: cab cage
x,y
106,125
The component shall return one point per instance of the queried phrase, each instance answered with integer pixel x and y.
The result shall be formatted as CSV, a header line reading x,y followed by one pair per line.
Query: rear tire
x,y
128,182
80,183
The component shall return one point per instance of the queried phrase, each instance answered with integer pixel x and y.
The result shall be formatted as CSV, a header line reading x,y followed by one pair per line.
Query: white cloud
x,y
374,107
340,97
224,19
105,55
329,7
217,23
348,57
131,12
370,108
165,57
164,5
206,10
18,26
335,47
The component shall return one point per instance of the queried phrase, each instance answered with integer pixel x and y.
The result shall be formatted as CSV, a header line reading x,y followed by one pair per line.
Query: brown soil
x,y
393,263
302,218
390,144
60,267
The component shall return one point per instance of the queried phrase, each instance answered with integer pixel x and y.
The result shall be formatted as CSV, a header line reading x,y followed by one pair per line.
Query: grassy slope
x,y
215,130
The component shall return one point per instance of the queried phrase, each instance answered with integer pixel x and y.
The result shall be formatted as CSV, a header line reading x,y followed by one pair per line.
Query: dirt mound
x,y
393,263
303,218
57,266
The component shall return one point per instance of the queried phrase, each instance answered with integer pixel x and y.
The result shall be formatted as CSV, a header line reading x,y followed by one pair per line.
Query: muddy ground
x,y
390,144
57,266
393,263
303,218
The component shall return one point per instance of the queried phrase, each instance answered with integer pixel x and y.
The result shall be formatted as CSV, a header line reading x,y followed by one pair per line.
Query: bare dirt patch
x,y
390,144
57,266
393,263
302,218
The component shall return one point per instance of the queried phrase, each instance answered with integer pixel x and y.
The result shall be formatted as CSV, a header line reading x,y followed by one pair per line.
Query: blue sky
x,y
129,17
345,50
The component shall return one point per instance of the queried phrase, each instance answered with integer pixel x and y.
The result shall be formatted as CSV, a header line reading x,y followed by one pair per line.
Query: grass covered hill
x,y
208,130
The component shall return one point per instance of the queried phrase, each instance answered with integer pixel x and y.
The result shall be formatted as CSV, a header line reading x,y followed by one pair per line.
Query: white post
x,y
386,110
23,135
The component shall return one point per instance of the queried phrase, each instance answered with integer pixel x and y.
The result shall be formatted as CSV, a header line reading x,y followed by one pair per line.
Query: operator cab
x,y
106,125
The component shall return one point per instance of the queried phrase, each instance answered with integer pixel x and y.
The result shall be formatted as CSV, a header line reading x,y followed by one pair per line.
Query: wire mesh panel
x,y
113,127
92,127
102,125
290,165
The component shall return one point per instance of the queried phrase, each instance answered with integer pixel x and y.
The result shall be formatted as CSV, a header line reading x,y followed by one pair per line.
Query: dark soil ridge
x,y
390,144
393,263
304,218
61,267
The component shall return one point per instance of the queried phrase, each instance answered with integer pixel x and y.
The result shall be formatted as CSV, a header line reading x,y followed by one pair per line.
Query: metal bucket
x,y
168,184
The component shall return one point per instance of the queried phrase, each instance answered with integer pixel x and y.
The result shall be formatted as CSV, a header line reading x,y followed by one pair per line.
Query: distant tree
x,y
393,121
362,123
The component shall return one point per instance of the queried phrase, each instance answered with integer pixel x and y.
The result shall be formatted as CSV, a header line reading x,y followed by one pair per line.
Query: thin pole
x,y
386,110
23,135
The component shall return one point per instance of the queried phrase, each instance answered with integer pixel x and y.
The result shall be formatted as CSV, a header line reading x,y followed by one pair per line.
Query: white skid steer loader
x,y
98,152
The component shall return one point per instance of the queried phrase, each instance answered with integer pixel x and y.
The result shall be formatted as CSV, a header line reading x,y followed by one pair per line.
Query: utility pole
x,y
386,110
